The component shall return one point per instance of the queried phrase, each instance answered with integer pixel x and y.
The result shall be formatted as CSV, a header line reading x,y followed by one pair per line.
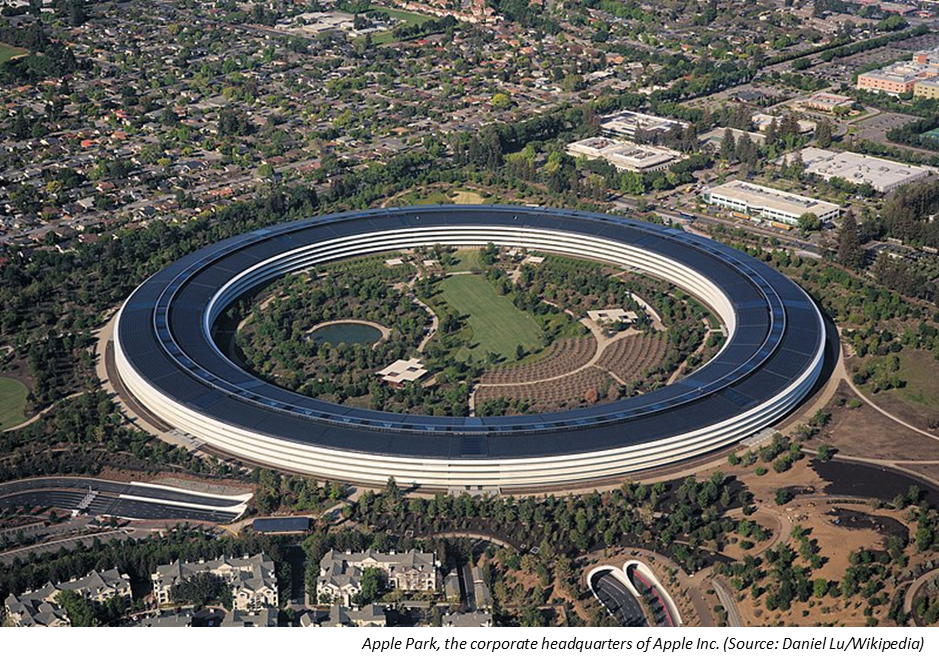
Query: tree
x,y
823,134
371,585
728,145
850,251
500,101
80,611
820,587
808,222
825,453
391,490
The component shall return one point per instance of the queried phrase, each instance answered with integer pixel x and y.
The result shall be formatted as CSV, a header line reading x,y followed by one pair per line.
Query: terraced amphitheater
x,y
632,357
561,357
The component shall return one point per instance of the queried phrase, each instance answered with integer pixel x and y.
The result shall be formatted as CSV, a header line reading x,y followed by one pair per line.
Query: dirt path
x,y
434,321
603,342
726,595
864,398
841,371
27,423
684,363
593,362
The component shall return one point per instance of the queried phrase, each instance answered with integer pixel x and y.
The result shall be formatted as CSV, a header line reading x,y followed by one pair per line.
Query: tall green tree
x,y
850,251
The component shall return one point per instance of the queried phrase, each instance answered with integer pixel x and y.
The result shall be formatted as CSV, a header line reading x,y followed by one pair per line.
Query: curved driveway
x,y
618,600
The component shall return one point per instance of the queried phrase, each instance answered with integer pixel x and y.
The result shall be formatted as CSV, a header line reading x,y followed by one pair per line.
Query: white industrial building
x,y
624,155
629,124
883,175
769,204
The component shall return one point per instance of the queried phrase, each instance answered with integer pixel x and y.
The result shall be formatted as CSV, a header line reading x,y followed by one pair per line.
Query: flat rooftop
x,y
281,524
616,315
403,370
881,174
902,72
758,196
716,136
828,98
623,154
630,121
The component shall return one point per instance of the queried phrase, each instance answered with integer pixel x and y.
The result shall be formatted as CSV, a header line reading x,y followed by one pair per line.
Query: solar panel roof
x,y
779,332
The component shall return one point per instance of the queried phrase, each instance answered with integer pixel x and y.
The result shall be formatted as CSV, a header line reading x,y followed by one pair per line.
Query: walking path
x,y
684,363
434,321
917,584
726,596
27,423
602,344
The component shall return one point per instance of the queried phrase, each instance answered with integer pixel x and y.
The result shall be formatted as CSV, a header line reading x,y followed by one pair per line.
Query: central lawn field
x,y
497,325
466,259
12,402
8,52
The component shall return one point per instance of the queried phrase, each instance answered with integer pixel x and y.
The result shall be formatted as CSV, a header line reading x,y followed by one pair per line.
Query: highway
x,y
618,600
126,500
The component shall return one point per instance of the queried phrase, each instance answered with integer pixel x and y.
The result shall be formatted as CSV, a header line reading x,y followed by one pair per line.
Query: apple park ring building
x,y
167,359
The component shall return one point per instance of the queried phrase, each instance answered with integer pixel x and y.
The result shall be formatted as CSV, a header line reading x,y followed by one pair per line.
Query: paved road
x,y
618,600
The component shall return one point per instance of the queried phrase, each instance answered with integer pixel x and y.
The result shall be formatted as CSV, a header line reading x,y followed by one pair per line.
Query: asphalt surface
x,y
618,600
119,499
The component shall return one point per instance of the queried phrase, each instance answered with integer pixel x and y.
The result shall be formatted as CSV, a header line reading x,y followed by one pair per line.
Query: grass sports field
x,y
7,52
12,402
407,18
498,326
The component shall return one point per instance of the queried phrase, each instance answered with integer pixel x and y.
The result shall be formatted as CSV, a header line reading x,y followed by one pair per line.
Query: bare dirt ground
x,y
911,414
863,432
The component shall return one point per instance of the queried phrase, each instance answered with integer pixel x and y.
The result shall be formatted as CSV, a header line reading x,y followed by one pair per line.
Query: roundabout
x,y
166,357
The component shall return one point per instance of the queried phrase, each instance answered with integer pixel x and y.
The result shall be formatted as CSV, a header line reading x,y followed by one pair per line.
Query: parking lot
x,y
875,127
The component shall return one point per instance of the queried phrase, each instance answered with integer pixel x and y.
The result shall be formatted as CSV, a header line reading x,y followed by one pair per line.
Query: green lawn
x,y
12,402
8,52
430,199
497,325
466,260
919,370
917,402
408,18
